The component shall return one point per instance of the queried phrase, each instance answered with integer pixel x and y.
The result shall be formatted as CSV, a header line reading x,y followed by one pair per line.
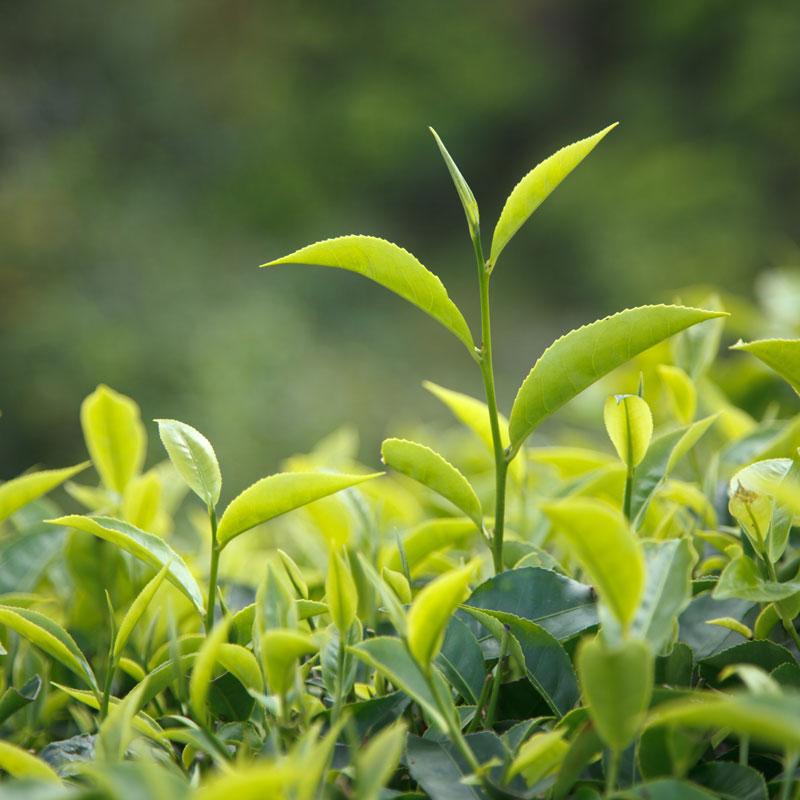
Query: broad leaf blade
x,y
390,266
582,356
434,471
18,492
143,545
537,186
780,355
277,494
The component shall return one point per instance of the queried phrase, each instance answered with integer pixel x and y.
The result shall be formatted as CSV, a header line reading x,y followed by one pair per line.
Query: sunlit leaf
x,y
203,669
341,594
280,650
780,355
464,192
193,457
18,492
629,424
20,763
137,609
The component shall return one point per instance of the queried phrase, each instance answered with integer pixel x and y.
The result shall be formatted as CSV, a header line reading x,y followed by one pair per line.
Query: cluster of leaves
x,y
540,621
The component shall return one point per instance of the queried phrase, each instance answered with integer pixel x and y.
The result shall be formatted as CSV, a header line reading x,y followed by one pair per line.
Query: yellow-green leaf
x,y
629,423
280,649
474,414
732,625
539,756
49,637
137,609
434,471
579,358
18,492
536,187
277,494
601,540
193,457
376,762
115,437
143,545
390,266
617,683
203,669
431,611
255,781
780,355
19,763
142,500
468,201
681,392
341,594
242,664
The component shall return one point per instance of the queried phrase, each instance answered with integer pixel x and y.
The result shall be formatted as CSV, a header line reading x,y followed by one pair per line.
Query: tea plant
x,y
490,618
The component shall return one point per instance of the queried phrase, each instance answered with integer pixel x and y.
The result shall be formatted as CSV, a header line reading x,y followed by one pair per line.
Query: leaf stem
x,y
213,570
626,502
613,771
487,371
497,680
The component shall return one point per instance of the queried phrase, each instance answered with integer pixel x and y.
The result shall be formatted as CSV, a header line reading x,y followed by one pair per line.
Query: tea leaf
x,y
49,637
18,492
629,424
681,391
538,757
277,494
137,609
582,356
280,649
781,355
193,457
376,763
434,471
392,267
536,187
341,594
464,192
617,683
602,542
474,414
115,437
144,546
20,763
431,611
203,669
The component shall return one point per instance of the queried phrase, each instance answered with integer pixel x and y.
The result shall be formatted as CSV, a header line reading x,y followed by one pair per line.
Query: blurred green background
x,y
152,154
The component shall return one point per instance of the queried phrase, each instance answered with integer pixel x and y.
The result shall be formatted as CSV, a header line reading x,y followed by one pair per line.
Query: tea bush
x,y
607,615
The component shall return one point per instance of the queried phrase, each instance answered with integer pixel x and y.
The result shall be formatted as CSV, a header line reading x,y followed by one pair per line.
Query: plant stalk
x,y
487,371
213,571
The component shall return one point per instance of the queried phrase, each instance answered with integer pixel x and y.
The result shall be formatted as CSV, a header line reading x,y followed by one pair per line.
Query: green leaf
x,y
242,664
766,718
662,457
428,537
474,414
260,779
681,391
203,669
546,663
582,356
437,770
434,471
49,637
461,661
629,424
696,348
389,656
116,731
341,594
667,590
390,266
617,683
536,187
730,781
13,699
560,605
280,649
780,355
539,757
278,494
602,542
468,201
431,611
389,601
194,458
115,437
741,579
137,609
18,492
145,546
376,762
20,763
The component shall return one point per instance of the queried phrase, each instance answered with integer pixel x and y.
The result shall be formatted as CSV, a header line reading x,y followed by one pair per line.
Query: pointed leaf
x,y
18,492
115,437
137,609
376,762
194,458
280,650
277,494
582,356
145,546
629,423
536,187
341,594
781,355
602,542
434,471
203,669
392,267
464,192
21,764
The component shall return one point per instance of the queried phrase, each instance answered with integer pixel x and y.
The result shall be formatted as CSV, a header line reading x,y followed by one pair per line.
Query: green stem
x,y
786,620
339,700
213,570
482,701
110,672
789,767
454,730
497,680
626,503
487,371
613,771
744,750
